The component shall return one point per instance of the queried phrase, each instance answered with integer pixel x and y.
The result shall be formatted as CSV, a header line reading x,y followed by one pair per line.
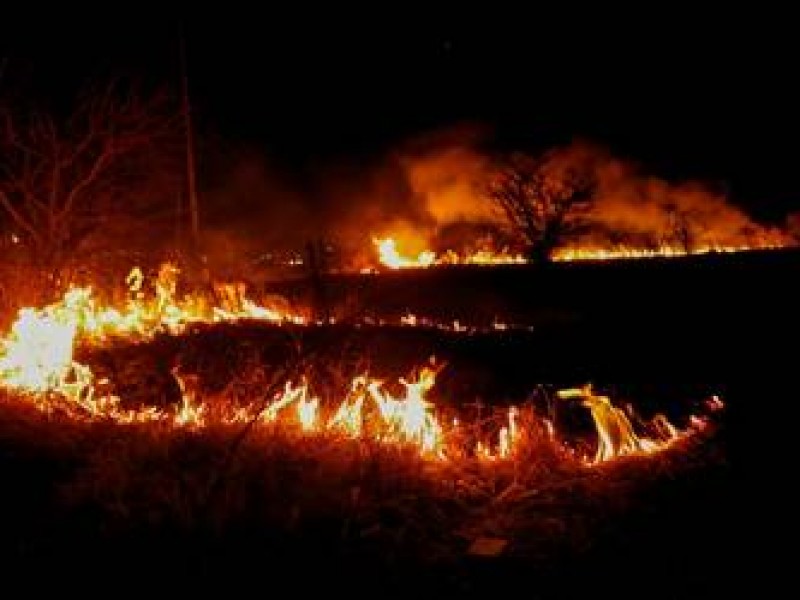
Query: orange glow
x,y
630,252
615,433
388,255
37,362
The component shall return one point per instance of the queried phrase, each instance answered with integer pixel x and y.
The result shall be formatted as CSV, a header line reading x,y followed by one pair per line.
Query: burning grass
x,y
276,455
37,360
328,501
391,257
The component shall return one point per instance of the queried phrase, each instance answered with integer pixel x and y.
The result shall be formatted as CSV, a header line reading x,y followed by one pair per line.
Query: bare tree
x,y
64,178
682,230
544,204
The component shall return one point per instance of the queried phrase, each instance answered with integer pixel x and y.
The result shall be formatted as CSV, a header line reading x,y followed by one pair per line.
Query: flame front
x,y
596,253
615,433
37,361
389,256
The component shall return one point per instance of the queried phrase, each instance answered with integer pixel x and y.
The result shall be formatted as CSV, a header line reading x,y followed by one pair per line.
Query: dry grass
x,y
113,481
216,501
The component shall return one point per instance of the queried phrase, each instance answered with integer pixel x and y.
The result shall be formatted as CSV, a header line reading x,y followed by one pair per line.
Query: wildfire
x,y
37,361
390,257
629,252
616,436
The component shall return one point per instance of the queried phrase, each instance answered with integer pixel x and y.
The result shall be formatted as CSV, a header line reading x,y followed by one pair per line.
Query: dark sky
x,y
690,95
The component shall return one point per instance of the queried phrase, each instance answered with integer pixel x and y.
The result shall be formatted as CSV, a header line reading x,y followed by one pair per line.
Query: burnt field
x,y
94,500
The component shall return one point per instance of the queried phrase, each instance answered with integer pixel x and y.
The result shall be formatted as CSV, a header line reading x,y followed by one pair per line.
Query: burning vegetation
x,y
37,361
87,193
572,203
70,191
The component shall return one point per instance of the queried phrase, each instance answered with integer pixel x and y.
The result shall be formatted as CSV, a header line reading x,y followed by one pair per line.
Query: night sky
x,y
711,96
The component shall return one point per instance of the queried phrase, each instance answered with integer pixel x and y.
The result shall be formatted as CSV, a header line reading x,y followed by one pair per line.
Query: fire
x,y
388,255
482,257
509,434
190,412
37,361
37,355
409,418
615,433
665,251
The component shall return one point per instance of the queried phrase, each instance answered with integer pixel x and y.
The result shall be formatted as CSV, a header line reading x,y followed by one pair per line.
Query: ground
x,y
91,501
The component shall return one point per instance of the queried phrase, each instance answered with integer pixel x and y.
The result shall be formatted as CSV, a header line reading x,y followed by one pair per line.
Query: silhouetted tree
x,y
681,230
100,167
544,204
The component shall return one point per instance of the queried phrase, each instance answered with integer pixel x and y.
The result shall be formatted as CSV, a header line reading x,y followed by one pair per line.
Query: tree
x,y
681,231
66,178
545,203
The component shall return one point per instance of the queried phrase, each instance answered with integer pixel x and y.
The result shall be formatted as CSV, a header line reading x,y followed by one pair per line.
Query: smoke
x,y
447,174
443,178
633,207
428,193
252,209
423,193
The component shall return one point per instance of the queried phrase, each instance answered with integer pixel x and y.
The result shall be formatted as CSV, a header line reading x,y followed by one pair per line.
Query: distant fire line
x,y
390,257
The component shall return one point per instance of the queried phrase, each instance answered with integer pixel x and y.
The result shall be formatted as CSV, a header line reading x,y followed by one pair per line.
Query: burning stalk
x,y
615,433
389,256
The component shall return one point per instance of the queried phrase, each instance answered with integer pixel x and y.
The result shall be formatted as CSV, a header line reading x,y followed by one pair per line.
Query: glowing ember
x,y
410,418
630,252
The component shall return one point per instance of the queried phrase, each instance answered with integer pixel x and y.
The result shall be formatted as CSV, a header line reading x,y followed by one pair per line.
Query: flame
x,y
409,418
615,433
577,253
388,255
190,413
509,435
307,413
37,361
37,354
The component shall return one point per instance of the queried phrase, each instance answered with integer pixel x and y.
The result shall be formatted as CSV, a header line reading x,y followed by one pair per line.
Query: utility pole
x,y
191,180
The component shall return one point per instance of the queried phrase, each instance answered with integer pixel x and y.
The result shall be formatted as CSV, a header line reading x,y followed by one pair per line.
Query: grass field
x,y
195,508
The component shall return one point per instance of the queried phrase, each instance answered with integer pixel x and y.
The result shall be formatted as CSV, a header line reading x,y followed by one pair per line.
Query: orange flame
x,y
615,433
36,360
389,257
